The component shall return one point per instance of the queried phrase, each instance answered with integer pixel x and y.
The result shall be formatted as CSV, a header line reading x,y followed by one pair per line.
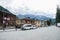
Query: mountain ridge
x,y
38,17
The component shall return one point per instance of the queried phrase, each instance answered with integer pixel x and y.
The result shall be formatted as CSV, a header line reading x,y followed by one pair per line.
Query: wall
x,y
37,23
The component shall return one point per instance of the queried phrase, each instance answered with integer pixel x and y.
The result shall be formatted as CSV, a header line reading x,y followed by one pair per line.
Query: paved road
x,y
44,33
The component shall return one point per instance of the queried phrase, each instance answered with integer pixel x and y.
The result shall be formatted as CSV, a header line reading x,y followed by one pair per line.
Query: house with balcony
x,y
6,17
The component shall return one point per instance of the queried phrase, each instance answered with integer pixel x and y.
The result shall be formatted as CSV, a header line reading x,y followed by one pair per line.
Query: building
x,y
20,22
37,23
6,17
43,23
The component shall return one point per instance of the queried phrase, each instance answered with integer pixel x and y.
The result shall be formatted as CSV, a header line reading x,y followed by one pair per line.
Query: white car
x,y
28,26
58,24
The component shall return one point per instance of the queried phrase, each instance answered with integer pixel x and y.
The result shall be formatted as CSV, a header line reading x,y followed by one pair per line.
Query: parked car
x,y
28,26
58,24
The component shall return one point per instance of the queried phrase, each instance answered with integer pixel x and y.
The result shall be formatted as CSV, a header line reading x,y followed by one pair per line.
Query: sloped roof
x,y
28,18
5,10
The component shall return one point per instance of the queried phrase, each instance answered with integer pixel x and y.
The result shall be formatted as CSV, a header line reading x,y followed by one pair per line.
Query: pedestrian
x,y
16,27
4,26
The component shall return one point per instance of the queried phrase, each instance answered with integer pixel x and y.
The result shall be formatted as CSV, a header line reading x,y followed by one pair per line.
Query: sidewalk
x,y
10,30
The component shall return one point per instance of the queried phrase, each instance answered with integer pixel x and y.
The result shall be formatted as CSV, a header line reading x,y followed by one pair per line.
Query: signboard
x,y
8,18
4,21
4,18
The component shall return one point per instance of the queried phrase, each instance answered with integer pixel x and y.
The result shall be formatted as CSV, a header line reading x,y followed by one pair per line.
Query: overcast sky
x,y
46,7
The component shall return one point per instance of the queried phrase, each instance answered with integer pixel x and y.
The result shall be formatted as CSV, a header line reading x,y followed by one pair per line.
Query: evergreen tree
x,y
58,15
49,22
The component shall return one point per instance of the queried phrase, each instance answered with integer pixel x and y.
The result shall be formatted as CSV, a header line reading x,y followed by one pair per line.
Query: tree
x,y
58,15
49,22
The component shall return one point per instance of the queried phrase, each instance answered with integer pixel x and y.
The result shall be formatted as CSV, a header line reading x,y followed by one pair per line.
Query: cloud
x,y
30,6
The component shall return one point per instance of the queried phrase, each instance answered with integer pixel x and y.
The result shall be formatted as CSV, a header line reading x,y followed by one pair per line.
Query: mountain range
x,y
35,17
